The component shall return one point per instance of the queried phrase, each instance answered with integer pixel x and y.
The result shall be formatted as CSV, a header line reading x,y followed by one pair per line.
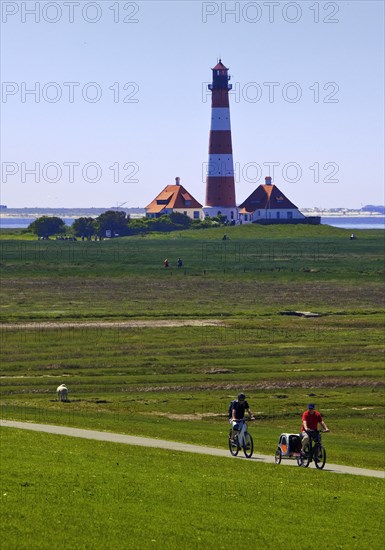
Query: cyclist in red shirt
x,y
310,420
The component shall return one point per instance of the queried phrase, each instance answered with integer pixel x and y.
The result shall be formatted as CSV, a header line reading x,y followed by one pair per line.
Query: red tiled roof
x,y
164,196
156,208
172,196
266,196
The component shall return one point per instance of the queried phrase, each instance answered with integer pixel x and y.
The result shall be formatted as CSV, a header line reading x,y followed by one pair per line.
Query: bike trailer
x,y
289,446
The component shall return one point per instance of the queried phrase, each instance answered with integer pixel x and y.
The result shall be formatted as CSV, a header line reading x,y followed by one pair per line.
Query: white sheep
x,y
62,393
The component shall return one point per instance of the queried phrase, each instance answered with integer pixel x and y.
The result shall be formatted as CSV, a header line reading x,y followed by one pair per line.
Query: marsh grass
x,y
259,270
177,381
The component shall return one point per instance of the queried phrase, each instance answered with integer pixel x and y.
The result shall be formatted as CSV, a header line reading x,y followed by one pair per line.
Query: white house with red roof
x,y
267,204
175,198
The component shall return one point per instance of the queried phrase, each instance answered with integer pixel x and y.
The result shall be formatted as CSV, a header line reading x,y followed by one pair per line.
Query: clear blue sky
x,y
308,81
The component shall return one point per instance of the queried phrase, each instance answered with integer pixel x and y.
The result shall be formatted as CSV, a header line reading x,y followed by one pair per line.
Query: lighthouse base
x,y
231,213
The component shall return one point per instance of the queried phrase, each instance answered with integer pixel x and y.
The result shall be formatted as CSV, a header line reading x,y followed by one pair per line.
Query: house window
x,y
232,215
278,215
196,214
246,217
188,203
290,215
185,212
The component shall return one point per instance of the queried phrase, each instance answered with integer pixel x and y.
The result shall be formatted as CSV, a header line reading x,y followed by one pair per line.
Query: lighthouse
x,y
220,187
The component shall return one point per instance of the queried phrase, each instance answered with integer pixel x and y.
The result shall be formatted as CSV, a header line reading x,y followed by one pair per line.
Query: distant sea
x,y
345,222
352,222
23,223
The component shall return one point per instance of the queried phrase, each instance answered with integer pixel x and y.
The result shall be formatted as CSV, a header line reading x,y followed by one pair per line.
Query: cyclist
x,y
310,420
238,408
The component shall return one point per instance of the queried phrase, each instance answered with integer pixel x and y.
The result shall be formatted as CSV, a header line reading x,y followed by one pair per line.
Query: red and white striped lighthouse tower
x,y
220,187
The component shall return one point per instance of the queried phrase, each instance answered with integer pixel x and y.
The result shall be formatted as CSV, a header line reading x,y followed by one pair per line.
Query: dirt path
x,y
113,324
172,446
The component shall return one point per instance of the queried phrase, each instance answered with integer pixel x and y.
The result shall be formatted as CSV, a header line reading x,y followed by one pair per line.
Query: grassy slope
x,y
66,492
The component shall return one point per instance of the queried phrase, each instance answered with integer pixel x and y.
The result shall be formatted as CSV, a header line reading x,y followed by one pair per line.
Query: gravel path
x,y
173,446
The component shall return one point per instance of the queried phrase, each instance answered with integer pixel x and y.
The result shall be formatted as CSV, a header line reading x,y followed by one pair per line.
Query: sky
x,y
105,103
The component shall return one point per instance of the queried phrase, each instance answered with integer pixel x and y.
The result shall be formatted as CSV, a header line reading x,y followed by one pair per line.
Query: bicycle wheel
x,y
319,456
305,458
278,456
233,445
248,446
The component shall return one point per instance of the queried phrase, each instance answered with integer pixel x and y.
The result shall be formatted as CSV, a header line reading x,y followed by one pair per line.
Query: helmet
x,y
311,406
242,396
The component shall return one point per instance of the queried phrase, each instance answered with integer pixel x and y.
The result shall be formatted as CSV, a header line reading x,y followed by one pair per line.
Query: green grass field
x,y
70,493
178,381
175,382
259,271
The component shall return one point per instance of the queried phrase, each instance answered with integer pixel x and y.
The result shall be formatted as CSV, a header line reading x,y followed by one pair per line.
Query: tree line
x,y
113,223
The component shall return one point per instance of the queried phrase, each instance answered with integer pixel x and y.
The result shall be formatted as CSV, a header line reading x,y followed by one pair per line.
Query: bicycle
x,y
242,440
313,451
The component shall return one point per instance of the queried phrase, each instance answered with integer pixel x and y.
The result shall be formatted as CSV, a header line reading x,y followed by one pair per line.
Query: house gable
x,y
173,197
266,196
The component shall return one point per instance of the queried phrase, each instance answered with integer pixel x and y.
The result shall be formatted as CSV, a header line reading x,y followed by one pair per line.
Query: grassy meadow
x,y
71,493
260,270
245,283
175,382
